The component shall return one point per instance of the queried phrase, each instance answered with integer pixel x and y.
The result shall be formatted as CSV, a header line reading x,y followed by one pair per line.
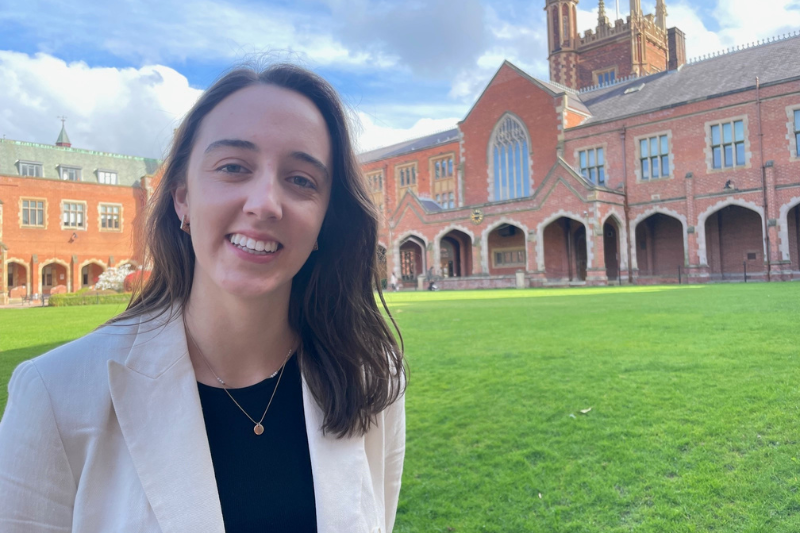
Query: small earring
x,y
316,245
185,226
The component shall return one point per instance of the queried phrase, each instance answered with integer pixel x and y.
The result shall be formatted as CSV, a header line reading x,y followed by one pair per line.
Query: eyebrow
x,y
302,156
232,143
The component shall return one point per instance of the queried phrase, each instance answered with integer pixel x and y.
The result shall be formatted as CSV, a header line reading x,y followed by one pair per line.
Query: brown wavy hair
x,y
348,353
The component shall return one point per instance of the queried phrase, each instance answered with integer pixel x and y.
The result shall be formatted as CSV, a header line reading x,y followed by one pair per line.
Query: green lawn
x,y
694,399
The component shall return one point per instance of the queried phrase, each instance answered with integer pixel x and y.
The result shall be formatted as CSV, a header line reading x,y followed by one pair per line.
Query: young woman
x,y
252,384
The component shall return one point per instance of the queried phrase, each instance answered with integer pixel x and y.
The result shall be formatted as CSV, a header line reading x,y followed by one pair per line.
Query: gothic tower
x,y
563,41
638,46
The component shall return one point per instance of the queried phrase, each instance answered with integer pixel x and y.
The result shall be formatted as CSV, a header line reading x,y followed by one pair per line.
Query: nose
x,y
264,196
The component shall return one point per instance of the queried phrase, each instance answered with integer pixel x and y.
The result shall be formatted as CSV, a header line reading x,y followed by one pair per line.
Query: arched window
x,y
510,160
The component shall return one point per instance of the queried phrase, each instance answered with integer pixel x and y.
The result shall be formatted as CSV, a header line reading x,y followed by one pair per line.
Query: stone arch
x,y
97,262
485,241
552,218
24,264
667,212
701,224
56,261
623,236
490,156
133,262
437,241
400,241
783,228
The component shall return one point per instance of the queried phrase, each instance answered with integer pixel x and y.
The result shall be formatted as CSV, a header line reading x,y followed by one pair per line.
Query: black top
x,y
264,481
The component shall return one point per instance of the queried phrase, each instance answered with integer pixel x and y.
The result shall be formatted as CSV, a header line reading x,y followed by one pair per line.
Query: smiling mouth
x,y
253,246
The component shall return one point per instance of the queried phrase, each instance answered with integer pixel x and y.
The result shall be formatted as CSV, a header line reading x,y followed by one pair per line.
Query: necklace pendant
x,y
259,429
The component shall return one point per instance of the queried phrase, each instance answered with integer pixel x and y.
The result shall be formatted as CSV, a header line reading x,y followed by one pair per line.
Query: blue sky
x,y
124,71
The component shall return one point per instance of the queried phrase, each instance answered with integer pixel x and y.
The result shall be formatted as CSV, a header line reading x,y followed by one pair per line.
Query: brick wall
x,y
73,248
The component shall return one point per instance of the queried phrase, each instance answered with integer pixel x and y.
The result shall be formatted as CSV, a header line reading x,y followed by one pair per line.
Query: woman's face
x,y
257,189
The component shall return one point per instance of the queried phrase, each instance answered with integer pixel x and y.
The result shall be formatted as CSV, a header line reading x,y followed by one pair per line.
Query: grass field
x,y
694,398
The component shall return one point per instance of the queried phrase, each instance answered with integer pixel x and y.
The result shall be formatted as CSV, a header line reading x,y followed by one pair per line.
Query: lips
x,y
253,246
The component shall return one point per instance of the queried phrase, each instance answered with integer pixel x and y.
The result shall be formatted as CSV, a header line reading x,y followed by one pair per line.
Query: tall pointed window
x,y
509,151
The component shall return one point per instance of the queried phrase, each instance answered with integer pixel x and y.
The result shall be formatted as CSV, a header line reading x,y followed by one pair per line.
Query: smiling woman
x,y
252,382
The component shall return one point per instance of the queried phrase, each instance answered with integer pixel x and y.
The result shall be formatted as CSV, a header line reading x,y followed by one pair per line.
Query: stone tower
x,y
639,46
563,41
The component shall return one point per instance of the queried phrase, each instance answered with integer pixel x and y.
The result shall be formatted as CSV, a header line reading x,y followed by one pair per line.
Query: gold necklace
x,y
258,429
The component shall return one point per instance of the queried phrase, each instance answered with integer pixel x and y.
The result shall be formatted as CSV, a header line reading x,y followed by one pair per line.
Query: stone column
x,y
694,270
477,257
596,269
779,269
36,279
74,276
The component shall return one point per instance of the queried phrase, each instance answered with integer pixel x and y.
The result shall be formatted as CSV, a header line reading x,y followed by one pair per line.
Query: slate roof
x,y
412,145
731,72
129,168
429,205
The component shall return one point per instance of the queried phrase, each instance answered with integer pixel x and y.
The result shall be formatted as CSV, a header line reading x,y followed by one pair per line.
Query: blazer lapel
x,y
158,407
342,488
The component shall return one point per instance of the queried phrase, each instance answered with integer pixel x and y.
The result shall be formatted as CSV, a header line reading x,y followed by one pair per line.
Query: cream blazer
x,y
106,434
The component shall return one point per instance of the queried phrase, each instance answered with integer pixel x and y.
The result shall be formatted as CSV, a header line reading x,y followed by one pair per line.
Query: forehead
x,y
273,118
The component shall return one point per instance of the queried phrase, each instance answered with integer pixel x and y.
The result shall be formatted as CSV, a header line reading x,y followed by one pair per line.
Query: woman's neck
x,y
243,341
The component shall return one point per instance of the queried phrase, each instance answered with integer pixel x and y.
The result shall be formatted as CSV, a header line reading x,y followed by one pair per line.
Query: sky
x,y
124,72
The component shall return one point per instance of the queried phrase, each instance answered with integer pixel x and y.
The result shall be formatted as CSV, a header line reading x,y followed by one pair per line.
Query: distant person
x,y
252,383
394,282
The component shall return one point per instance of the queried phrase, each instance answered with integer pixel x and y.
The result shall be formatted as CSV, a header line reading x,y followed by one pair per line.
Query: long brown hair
x,y
348,354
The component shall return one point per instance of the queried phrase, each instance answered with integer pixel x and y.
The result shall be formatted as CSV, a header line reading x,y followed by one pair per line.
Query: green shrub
x,y
68,300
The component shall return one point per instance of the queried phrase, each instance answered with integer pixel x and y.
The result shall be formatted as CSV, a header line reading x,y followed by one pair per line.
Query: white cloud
x,y
371,134
128,111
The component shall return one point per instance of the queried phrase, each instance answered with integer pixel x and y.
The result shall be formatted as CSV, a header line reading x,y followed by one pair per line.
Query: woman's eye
x,y
232,168
302,182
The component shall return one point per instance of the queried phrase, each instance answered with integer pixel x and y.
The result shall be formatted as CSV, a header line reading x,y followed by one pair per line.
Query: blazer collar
x,y
157,403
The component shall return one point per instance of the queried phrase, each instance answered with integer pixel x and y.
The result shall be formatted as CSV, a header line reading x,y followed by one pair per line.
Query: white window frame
x,y
63,168
709,150
64,225
103,174
34,164
604,166
671,156
22,224
101,214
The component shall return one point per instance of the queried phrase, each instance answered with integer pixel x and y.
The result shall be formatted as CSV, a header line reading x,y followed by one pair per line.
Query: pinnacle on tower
x,y
636,9
63,138
602,19
661,14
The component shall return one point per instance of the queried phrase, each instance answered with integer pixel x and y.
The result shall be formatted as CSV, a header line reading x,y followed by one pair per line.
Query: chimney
x,y
676,40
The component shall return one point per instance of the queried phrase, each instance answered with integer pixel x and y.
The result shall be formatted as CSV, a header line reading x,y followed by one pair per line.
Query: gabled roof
x,y
552,88
724,74
411,145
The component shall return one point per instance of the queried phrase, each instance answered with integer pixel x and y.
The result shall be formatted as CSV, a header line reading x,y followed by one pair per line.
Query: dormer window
x,y
29,168
109,177
69,173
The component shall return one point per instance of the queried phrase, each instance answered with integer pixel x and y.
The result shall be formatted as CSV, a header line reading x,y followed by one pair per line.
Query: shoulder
x,y
94,350
78,369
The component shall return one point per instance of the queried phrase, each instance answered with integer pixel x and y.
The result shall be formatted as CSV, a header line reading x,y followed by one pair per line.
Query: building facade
x,y
66,215
669,171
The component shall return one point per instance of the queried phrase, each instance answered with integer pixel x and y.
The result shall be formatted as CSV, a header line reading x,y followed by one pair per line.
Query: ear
x,y
179,199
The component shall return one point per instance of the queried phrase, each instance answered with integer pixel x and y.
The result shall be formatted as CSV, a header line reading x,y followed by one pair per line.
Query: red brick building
x,y
66,215
666,171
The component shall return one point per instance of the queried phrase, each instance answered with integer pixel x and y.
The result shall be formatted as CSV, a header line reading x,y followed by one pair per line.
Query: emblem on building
x,y
476,216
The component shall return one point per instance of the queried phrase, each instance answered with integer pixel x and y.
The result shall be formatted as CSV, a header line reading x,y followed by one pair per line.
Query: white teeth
x,y
251,245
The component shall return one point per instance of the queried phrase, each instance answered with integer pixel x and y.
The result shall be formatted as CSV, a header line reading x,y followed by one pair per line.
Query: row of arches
x,y
52,276
730,242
